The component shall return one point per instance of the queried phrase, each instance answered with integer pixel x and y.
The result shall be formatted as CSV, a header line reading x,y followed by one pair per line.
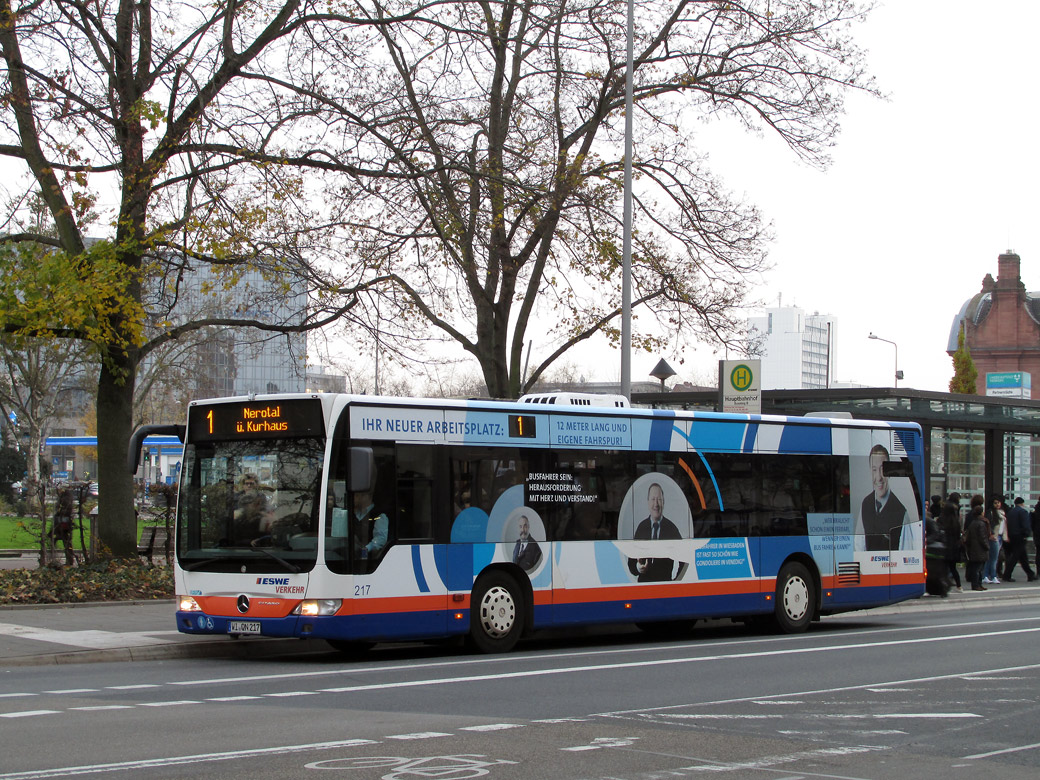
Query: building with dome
x,y
1001,325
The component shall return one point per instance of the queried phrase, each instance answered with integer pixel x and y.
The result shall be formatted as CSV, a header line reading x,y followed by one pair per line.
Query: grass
x,y
16,533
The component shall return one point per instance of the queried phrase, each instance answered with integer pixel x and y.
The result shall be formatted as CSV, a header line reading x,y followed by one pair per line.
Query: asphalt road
x,y
942,694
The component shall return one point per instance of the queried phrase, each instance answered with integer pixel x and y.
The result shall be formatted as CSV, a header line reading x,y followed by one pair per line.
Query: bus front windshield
x,y
250,504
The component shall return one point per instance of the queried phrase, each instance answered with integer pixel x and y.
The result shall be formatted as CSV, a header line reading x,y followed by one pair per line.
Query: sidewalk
x,y
56,634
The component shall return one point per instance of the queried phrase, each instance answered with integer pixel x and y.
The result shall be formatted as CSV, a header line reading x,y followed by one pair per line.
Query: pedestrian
x,y
950,523
996,517
1036,533
935,507
936,583
1017,530
976,543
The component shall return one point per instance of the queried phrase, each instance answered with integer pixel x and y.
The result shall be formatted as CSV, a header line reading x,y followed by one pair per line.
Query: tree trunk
x,y
117,521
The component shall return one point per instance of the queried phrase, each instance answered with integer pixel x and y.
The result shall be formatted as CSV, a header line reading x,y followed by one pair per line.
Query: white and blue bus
x,y
360,519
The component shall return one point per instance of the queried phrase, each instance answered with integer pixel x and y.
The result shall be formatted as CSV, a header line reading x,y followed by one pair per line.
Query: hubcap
x,y
796,598
497,612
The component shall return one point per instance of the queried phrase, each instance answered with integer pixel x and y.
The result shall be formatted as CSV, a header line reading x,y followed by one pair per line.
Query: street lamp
x,y
662,371
899,374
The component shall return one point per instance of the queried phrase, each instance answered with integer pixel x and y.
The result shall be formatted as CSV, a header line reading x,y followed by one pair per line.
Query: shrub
x,y
119,580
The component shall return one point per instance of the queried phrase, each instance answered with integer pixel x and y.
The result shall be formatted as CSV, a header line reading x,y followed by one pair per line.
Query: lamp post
x,y
898,373
662,371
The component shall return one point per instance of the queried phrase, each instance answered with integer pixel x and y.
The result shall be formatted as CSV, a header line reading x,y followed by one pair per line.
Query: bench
x,y
153,539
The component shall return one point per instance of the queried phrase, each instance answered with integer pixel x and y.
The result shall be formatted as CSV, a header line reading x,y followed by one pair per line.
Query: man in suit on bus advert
x,y
526,552
882,515
655,526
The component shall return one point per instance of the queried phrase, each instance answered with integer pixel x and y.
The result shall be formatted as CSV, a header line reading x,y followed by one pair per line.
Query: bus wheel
x,y
496,613
795,599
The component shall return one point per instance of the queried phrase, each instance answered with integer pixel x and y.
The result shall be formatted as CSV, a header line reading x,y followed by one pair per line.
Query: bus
x,y
362,519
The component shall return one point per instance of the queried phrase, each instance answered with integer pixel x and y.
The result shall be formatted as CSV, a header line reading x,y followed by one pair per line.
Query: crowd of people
x,y
977,541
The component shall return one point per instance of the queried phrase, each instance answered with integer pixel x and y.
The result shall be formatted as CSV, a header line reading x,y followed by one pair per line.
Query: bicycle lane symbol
x,y
458,767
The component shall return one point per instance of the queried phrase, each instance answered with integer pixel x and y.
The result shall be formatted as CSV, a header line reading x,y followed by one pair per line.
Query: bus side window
x,y
415,471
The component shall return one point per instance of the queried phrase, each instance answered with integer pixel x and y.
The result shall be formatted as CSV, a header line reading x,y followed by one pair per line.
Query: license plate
x,y
243,627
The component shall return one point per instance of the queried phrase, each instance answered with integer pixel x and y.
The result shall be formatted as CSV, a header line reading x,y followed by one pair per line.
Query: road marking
x,y
16,695
493,727
1005,751
815,692
74,690
125,766
167,703
601,743
683,647
136,687
98,707
288,694
29,713
419,735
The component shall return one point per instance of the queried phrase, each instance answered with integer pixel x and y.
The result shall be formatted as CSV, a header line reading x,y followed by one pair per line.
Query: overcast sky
x,y
925,190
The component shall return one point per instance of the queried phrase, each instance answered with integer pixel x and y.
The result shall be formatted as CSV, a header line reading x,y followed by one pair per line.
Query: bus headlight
x,y
313,607
188,604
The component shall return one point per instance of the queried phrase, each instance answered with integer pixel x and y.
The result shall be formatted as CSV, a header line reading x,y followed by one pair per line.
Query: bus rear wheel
x,y
795,599
496,613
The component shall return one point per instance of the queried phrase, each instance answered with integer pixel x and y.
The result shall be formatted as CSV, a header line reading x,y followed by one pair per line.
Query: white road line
x,y
1005,751
16,695
42,774
419,735
29,713
813,692
168,703
98,707
599,653
288,694
492,727
137,687
74,690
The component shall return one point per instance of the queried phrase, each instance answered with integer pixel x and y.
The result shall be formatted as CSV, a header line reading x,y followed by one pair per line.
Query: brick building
x,y
1001,325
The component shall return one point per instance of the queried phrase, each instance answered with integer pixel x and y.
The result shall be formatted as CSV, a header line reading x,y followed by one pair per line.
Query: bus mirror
x,y
362,470
133,455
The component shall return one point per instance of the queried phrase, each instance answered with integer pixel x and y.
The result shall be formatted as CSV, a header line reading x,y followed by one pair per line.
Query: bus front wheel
x,y
795,599
496,613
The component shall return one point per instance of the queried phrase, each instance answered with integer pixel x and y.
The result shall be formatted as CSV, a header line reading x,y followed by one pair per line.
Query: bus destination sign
x,y
256,420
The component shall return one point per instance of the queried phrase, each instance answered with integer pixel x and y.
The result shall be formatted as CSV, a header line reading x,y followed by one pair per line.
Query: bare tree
x,y
180,113
482,143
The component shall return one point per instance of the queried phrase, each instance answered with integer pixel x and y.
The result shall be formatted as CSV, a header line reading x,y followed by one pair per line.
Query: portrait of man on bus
x,y
884,522
655,526
526,552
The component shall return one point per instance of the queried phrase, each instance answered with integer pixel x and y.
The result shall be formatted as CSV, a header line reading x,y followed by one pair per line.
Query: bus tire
x,y
496,613
795,600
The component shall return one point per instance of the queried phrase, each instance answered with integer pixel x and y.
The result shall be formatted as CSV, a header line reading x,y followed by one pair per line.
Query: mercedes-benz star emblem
x,y
243,604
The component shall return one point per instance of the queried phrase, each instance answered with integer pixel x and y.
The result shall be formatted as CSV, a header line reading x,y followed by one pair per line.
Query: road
x,y
912,695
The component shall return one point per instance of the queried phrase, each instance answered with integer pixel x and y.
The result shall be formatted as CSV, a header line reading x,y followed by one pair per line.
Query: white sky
x,y
925,189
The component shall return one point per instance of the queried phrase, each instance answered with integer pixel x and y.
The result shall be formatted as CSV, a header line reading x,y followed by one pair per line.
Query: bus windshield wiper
x,y
287,565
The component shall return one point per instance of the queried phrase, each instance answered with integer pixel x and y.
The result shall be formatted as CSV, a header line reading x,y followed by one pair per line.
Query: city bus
x,y
362,519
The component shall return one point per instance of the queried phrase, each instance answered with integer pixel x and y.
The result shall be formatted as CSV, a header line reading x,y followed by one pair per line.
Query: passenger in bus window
x,y
371,526
655,526
526,552
253,514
